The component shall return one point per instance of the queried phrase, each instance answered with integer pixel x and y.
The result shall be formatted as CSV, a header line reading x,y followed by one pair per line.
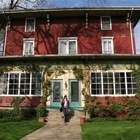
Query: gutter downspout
x,y
5,39
131,33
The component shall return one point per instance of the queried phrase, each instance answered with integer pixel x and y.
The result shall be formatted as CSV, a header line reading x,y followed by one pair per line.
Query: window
x,y
20,84
112,83
107,45
1,41
30,24
106,23
28,46
67,45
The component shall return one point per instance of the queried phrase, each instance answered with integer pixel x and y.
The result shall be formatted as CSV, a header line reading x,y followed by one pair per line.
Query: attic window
x,y
106,23
67,45
30,24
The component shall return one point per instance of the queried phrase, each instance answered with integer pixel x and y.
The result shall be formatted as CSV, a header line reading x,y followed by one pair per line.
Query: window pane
x,y
106,23
1,41
30,24
13,83
56,91
3,83
36,84
96,87
72,47
74,91
28,47
25,84
63,47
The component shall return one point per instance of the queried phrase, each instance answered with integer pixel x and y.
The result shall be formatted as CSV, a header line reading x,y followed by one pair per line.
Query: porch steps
x,y
56,117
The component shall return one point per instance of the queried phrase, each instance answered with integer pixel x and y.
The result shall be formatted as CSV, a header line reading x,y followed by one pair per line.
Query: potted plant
x,y
41,112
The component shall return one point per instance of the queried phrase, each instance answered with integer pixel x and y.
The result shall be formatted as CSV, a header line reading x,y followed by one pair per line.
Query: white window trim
x,y
102,24
30,40
30,95
26,25
68,39
114,95
112,43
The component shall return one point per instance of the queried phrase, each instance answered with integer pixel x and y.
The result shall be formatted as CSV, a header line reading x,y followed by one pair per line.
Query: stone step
x,y
57,117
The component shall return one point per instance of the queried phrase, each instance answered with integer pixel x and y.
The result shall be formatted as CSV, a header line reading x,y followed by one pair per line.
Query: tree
x,y
25,4
28,4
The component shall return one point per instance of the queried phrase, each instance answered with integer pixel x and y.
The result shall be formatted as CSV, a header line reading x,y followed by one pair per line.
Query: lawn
x,y
14,130
115,130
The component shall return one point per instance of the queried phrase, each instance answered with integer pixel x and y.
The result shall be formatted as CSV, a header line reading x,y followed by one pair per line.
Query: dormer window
x,y
28,46
107,45
106,23
30,24
67,45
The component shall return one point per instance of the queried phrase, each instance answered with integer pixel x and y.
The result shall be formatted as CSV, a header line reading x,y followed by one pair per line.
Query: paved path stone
x,y
56,129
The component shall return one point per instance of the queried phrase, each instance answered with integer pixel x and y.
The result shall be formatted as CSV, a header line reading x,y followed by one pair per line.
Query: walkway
x,y
56,129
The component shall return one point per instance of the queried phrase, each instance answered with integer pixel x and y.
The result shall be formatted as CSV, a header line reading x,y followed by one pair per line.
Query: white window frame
x,y
28,40
101,84
110,24
67,49
108,49
30,28
5,85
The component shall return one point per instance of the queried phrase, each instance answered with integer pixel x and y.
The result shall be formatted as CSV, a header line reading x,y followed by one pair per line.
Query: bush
x,y
2,113
103,112
117,106
133,109
28,113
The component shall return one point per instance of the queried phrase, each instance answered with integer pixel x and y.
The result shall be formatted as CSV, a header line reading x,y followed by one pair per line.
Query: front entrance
x,y
58,93
74,93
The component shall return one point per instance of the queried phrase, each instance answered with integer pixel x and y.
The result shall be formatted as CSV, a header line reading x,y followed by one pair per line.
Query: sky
x,y
90,3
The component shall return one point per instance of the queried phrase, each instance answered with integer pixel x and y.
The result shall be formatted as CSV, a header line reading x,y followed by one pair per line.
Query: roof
x,y
134,12
85,57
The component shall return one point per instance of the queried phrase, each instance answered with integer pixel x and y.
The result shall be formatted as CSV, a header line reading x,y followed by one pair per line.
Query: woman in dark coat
x,y
65,105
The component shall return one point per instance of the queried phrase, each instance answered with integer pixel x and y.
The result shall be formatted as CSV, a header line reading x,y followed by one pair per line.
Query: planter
x,y
82,119
41,119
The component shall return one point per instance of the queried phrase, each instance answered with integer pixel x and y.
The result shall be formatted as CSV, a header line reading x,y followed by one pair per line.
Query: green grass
x,y
115,130
14,130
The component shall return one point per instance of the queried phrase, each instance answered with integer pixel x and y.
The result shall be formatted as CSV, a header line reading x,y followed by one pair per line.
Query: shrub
x,y
41,110
117,106
2,113
28,113
103,112
133,108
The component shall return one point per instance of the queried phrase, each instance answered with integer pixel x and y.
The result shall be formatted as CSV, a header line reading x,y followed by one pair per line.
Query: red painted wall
x,y
89,39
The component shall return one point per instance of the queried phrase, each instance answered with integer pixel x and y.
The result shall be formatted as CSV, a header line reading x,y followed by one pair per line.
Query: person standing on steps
x,y
65,105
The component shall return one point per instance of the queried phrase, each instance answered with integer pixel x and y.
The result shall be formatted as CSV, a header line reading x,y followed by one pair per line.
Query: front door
x,y
74,93
56,96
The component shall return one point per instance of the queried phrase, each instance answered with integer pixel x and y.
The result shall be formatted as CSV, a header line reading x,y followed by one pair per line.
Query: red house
x,y
78,50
